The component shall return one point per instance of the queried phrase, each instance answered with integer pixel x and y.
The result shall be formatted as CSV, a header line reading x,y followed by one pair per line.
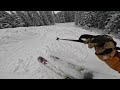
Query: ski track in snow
x,y
19,50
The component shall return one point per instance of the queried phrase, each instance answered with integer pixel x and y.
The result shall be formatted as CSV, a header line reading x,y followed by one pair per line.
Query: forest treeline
x,y
104,20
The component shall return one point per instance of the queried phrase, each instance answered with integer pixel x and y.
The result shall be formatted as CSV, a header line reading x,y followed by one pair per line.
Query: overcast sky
x,y
56,11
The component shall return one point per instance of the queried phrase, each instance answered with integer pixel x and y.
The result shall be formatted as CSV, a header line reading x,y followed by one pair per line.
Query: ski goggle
x,y
107,51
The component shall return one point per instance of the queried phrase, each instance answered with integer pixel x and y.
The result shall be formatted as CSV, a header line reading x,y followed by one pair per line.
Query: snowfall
x,y
20,48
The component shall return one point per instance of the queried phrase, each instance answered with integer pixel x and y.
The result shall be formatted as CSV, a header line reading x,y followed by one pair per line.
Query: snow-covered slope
x,y
21,47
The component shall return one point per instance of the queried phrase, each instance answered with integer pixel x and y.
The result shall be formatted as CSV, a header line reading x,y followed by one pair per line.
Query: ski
x,y
54,69
75,67
86,73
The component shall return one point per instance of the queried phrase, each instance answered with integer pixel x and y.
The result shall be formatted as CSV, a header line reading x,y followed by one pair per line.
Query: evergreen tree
x,y
67,16
40,16
23,18
78,17
50,17
6,19
114,24
33,18
56,18
44,17
72,15
29,18
37,18
60,16
17,21
30,15
91,18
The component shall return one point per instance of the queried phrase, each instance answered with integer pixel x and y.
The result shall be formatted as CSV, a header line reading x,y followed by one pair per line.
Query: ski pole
x,y
84,36
71,40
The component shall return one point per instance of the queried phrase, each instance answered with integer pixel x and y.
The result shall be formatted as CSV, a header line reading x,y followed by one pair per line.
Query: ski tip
x,y
57,38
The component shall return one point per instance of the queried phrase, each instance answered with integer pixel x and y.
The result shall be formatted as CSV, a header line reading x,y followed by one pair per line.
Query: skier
x,y
105,48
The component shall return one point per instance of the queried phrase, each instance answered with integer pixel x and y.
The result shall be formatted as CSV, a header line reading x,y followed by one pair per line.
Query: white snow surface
x,y
20,47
